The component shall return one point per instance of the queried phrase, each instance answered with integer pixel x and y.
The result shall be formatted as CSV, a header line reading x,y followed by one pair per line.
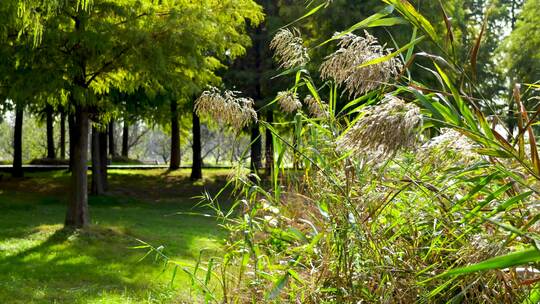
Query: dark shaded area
x,y
175,137
196,167
49,114
17,143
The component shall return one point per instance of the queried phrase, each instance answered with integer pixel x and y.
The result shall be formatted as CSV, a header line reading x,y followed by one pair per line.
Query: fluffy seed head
x,y
451,140
288,101
343,65
316,108
289,49
227,108
384,129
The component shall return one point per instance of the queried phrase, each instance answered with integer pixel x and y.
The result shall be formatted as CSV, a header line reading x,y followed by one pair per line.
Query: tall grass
x,y
381,210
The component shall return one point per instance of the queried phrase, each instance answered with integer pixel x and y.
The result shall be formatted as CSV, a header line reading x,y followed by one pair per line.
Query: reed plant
x,y
404,193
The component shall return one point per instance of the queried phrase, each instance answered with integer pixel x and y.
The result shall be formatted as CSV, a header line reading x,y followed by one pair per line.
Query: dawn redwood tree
x,y
17,170
62,142
96,44
125,139
112,144
9,78
77,213
196,167
521,49
254,74
71,133
103,141
97,177
269,145
175,136
133,106
520,52
256,148
49,120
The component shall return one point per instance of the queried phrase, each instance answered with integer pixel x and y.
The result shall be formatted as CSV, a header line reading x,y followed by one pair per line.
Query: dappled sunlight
x,y
41,261
38,235
250,151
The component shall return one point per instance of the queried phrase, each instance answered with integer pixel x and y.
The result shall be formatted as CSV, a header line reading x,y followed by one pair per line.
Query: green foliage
x,y
90,48
350,227
521,50
34,141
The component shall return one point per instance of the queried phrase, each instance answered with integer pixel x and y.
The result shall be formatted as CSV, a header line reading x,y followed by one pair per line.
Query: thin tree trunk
x,y
125,140
104,161
97,178
256,148
511,122
50,132
112,144
17,170
175,137
269,145
63,134
72,137
77,215
196,168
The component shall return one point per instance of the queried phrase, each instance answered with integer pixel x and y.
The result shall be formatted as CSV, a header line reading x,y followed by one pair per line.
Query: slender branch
x,y
107,65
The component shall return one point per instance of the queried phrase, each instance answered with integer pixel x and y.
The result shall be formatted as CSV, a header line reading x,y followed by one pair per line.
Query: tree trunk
x,y
175,137
50,132
63,134
77,215
103,137
196,168
256,148
112,144
72,137
511,120
269,145
125,140
17,170
97,178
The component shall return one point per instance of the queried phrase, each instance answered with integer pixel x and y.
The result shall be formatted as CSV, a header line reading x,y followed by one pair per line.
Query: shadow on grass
x,y
48,263
42,263
66,267
78,266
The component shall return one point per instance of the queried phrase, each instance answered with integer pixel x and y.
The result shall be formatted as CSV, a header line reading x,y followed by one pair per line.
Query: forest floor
x,y
40,262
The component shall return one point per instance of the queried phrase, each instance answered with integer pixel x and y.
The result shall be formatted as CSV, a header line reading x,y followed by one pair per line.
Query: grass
x,y
40,262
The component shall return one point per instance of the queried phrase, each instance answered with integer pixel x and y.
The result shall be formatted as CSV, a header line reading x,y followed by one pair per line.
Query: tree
x,y
125,139
98,180
49,113
95,45
521,49
252,74
112,144
17,142
196,168
62,143
175,136
92,43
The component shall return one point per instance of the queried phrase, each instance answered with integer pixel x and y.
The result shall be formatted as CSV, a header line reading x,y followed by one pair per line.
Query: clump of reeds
x,y
384,129
317,108
344,66
289,49
226,107
288,101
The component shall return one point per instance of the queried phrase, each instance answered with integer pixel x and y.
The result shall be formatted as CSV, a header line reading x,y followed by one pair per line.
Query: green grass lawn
x,y
42,263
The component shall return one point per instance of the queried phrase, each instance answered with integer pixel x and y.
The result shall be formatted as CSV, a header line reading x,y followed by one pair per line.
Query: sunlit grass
x,y
42,263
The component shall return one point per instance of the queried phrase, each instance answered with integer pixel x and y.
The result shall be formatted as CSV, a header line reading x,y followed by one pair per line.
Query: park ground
x,y
40,262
